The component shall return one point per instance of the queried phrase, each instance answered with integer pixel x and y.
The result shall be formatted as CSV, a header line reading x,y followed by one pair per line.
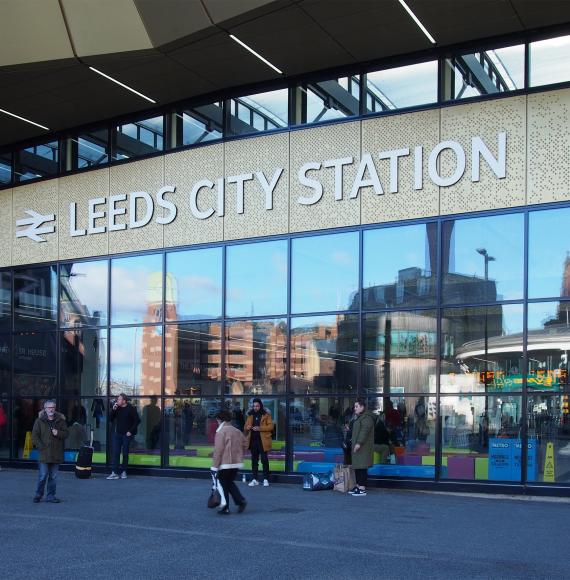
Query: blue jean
x,y
120,444
47,472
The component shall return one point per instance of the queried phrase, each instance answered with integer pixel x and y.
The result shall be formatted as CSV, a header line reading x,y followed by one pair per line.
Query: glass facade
x,y
462,357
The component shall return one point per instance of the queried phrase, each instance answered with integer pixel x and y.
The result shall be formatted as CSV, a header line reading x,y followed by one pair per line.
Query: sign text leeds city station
x,y
140,206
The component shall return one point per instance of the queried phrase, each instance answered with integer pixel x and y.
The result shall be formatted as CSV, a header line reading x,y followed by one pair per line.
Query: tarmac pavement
x,y
158,527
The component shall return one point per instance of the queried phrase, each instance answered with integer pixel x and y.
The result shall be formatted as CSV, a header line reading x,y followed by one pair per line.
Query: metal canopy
x,y
176,49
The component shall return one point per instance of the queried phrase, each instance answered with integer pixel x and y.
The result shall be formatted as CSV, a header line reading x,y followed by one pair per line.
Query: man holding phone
x,y
48,435
125,419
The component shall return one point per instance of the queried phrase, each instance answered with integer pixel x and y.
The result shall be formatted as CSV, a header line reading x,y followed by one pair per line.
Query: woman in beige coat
x,y
229,446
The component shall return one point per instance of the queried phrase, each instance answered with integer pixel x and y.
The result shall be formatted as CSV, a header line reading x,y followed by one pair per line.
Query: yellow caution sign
x,y
27,445
549,474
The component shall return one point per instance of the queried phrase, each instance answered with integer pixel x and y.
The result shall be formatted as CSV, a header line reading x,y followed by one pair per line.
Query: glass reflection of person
x,y
151,422
188,418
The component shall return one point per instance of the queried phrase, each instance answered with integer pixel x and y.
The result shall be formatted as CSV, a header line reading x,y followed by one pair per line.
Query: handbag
x,y
216,498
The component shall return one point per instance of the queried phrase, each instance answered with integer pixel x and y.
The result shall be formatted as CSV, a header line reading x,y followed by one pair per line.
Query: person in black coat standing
x,y
125,419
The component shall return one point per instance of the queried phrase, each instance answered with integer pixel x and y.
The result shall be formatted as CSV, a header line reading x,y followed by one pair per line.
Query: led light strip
x,y
417,21
255,53
23,119
122,84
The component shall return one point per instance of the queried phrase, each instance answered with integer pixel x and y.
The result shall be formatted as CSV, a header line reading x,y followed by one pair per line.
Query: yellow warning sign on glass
x,y
549,463
27,445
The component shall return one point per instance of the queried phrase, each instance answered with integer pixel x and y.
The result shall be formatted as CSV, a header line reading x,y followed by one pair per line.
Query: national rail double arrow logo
x,y
35,225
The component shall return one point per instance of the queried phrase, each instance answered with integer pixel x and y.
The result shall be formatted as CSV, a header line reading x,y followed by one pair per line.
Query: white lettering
x,y
459,166
338,164
133,221
73,231
201,215
268,188
393,156
366,164
313,184
114,211
419,167
167,205
95,215
239,180
221,201
498,165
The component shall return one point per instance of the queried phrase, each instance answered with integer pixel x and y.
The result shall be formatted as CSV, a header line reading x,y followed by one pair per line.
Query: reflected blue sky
x,y
549,61
256,279
194,284
324,272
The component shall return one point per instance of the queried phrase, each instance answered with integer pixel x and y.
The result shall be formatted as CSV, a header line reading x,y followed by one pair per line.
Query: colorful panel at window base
x,y
542,380
505,460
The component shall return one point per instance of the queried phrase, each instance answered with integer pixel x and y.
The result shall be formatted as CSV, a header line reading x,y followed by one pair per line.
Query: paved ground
x,y
147,527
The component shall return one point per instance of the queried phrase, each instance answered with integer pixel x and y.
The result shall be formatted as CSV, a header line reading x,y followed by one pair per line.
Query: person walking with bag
x,y
229,446
258,428
362,446
48,435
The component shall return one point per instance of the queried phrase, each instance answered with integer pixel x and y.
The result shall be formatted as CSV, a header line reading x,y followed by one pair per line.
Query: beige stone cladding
x,y
146,176
268,155
400,132
548,165
184,170
41,198
485,120
6,227
79,189
318,145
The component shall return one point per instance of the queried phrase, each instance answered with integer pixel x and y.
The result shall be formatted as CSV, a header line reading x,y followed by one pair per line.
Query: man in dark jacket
x,y
48,435
125,421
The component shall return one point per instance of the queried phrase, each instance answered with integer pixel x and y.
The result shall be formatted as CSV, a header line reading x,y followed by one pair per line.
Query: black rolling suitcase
x,y
84,460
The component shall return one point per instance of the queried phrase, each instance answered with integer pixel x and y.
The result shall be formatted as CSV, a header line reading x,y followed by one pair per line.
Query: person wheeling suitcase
x,y
84,460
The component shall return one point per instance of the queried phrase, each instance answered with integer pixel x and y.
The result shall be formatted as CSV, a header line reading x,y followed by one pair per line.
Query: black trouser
x,y
361,477
257,452
226,478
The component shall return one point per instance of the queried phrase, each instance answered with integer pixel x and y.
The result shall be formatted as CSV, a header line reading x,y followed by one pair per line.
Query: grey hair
x,y
52,401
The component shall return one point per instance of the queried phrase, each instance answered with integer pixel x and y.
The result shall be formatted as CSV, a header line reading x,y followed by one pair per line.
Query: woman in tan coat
x,y
229,446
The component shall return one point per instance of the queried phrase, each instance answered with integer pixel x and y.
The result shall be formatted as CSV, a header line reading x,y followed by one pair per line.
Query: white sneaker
x,y
564,450
113,475
253,483
265,483
124,475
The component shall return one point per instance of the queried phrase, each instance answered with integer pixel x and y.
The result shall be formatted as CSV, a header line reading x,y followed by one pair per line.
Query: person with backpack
x,y
258,430
125,419
362,446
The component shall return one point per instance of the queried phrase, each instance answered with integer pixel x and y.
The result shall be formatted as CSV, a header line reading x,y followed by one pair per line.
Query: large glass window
x,y
85,416
548,344
5,365
83,362
549,61
400,352
5,168
136,361
405,86
199,124
400,266
139,138
482,259
256,279
324,273
327,100
35,297
256,357
485,72
6,300
5,414
482,349
194,284
193,365
35,357
548,253
481,437
37,161
83,293
136,289
25,413
324,354
88,149
259,112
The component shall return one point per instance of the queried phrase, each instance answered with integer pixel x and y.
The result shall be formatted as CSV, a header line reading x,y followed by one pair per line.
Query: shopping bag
x,y
217,498
343,478
318,481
